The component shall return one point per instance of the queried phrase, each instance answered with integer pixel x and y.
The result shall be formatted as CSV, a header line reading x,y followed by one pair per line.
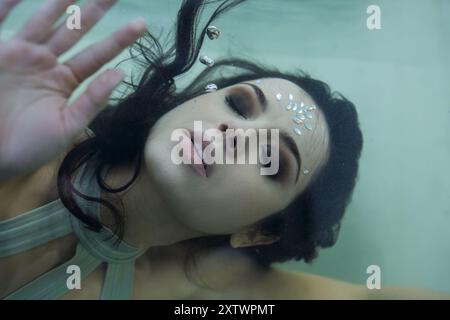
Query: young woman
x,y
116,208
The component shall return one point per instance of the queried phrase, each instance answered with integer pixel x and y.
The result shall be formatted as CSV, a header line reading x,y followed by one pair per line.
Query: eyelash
x,y
229,101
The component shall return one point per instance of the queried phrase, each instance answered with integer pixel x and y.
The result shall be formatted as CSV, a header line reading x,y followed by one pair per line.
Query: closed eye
x,y
236,107
242,101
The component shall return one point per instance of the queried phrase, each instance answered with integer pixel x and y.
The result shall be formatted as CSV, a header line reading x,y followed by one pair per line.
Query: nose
x,y
223,127
231,147
230,140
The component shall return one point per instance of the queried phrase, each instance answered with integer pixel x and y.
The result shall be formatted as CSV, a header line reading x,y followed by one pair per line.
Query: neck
x,y
147,220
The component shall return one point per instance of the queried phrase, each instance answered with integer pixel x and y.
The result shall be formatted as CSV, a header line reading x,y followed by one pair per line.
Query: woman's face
x,y
234,196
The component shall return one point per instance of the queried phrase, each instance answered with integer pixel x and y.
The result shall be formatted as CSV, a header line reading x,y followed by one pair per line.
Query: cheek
x,y
157,155
170,180
236,202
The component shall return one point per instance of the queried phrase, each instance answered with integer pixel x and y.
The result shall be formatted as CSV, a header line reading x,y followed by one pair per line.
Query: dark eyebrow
x,y
290,143
260,94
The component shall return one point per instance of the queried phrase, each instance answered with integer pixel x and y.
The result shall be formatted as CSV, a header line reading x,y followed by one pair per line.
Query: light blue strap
x,y
119,281
34,228
52,221
53,284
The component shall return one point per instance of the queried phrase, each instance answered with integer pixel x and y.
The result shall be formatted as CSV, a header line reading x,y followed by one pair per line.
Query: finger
x,y
63,38
39,27
87,62
78,115
5,8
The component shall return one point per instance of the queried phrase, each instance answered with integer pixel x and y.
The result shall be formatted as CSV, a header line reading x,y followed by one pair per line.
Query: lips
x,y
195,157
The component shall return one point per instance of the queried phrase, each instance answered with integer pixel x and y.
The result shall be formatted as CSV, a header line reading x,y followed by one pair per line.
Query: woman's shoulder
x,y
23,193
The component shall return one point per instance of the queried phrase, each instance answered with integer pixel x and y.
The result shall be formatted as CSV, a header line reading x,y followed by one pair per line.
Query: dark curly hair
x,y
120,132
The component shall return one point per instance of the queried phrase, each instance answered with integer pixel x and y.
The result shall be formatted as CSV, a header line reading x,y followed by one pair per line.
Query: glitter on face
x,y
303,112
297,131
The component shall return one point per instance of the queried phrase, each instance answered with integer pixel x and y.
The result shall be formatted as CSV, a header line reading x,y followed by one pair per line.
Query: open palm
x,y
36,122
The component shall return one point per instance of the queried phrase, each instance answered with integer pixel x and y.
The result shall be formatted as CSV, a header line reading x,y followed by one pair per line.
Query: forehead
x,y
287,104
274,86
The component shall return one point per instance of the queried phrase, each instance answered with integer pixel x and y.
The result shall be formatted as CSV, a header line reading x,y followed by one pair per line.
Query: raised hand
x,y
36,122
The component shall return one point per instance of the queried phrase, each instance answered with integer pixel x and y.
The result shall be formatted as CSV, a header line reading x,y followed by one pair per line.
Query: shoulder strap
x,y
53,284
54,220
119,281
34,228
43,224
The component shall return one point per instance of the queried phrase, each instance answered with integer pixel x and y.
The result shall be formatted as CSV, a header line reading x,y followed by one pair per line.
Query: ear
x,y
251,236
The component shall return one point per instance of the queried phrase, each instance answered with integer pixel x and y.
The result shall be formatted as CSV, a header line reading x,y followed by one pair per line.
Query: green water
x,y
398,77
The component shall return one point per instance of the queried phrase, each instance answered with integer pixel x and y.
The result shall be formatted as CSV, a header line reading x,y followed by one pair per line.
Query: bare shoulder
x,y
299,285
23,193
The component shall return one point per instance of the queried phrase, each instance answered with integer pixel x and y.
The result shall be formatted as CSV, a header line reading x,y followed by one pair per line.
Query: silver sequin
x,y
207,61
212,32
211,87
297,120
302,112
308,126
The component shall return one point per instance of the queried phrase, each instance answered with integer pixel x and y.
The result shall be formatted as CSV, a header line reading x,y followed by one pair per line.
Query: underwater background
x,y
399,79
